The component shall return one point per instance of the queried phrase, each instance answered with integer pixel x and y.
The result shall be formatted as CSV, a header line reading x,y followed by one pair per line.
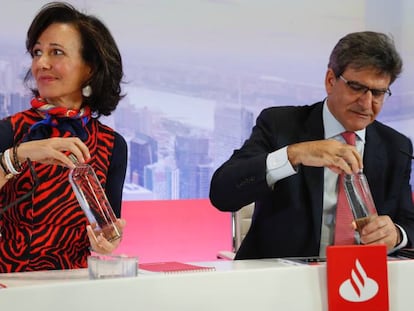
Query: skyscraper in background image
x,y
191,153
143,152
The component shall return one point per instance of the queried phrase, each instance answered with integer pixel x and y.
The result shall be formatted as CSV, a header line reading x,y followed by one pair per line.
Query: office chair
x,y
241,221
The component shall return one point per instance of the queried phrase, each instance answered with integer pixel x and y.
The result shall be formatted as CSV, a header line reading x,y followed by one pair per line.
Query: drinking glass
x,y
112,266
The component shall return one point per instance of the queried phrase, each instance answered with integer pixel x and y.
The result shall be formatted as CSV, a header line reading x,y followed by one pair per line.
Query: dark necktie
x,y
344,233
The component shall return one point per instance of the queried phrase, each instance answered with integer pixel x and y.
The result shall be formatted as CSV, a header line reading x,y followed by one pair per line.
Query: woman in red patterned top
x,y
77,71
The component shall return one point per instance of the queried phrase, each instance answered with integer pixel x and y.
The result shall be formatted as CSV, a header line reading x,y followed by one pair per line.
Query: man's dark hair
x,y
366,49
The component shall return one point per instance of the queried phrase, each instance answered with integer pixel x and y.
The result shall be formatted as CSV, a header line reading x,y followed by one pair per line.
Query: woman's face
x,y
58,67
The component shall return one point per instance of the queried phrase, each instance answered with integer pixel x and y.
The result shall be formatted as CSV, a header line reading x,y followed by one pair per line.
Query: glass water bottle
x,y
360,199
93,201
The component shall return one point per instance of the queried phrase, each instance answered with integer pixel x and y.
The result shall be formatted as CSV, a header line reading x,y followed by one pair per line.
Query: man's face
x,y
356,97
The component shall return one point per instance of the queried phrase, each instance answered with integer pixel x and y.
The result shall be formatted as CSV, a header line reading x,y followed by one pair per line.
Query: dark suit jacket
x,y
287,219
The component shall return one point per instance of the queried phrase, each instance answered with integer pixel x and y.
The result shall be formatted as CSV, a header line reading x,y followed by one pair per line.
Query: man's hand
x,y
337,156
381,230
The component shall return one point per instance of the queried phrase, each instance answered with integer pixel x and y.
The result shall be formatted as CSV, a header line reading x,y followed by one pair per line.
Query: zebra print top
x,y
47,231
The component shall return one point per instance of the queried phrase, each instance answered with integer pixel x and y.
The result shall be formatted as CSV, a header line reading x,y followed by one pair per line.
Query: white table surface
x,y
262,285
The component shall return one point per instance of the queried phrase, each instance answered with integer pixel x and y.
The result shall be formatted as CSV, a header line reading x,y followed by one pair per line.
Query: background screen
x,y
198,72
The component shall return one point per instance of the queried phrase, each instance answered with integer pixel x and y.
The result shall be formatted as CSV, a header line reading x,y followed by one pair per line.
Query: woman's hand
x,y
48,151
54,151
101,245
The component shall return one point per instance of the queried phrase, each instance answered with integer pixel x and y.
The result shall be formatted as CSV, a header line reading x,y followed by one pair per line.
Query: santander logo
x,y
359,287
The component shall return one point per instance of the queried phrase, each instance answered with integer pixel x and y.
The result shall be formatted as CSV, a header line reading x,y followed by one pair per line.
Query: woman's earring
x,y
87,91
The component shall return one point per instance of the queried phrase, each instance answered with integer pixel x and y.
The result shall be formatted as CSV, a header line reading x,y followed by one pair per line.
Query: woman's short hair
x,y
98,49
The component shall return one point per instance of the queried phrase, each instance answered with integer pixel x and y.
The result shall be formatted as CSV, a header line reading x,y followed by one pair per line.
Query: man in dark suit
x,y
290,164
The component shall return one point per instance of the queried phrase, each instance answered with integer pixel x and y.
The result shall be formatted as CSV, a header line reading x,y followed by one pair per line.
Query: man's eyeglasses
x,y
379,95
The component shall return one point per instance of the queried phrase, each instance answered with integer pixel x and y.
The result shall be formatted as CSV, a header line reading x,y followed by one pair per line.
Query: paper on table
x,y
173,267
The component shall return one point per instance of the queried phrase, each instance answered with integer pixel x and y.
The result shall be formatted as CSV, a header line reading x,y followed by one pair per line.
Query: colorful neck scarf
x,y
58,121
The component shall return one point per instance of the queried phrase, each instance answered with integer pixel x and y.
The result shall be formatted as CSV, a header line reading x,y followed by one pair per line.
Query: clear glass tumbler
x,y
93,200
360,199
112,266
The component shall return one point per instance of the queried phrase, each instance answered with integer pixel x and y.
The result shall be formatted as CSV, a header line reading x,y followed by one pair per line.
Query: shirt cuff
x,y
278,166
404,240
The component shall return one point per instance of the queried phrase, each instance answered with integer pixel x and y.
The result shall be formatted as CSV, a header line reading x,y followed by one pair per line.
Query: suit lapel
x,y
314,130
374,159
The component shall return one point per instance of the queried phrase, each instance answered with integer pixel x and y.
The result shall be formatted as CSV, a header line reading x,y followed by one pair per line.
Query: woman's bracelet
x,y
16,158
3,167
7,173
9,163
